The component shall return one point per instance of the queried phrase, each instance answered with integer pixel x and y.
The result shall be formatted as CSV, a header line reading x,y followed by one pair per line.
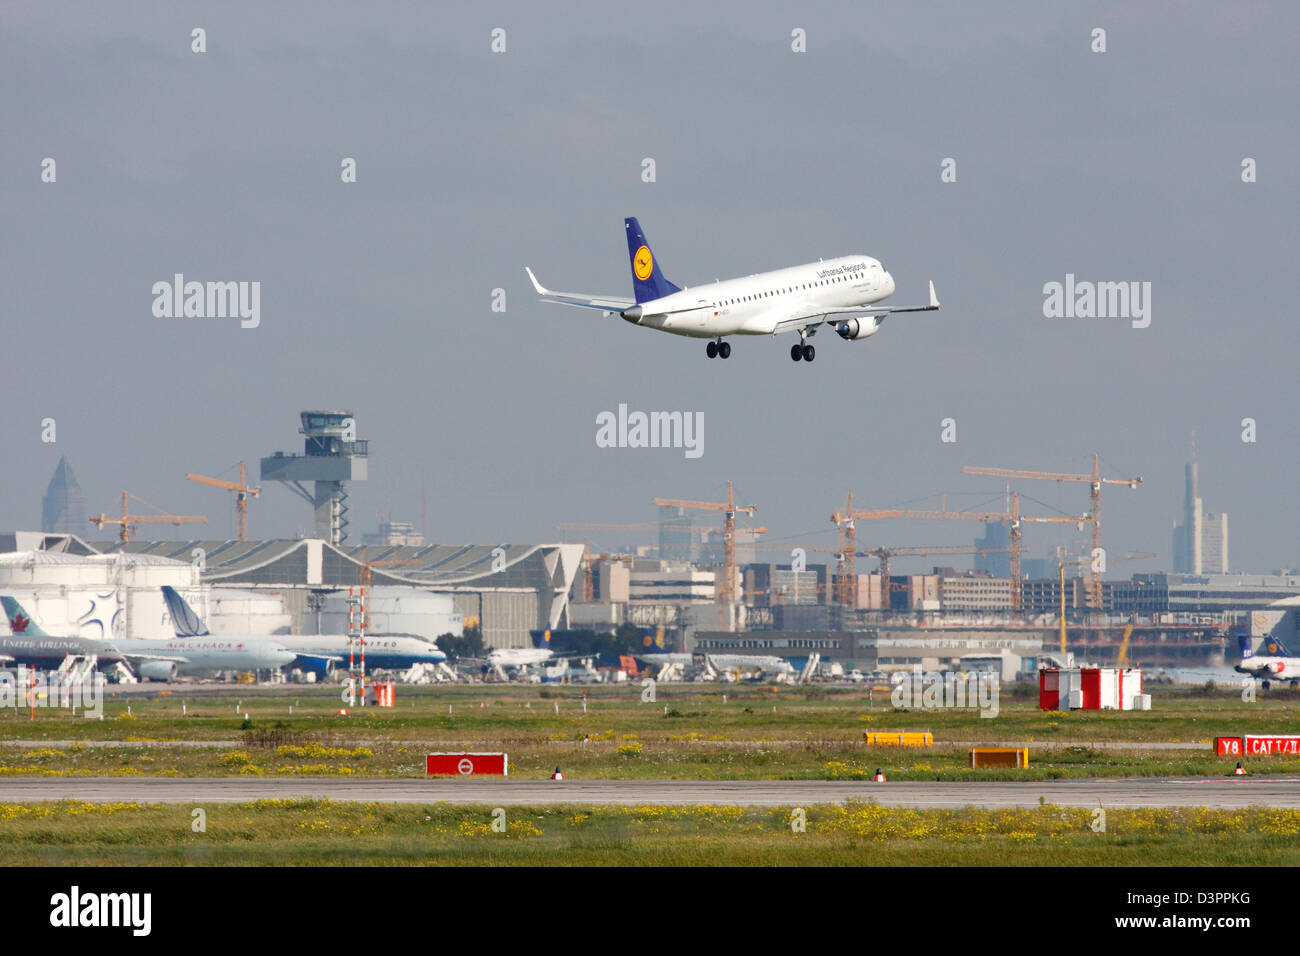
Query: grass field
x,y
322,833
687,732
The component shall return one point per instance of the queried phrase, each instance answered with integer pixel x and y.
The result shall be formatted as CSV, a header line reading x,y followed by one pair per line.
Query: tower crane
x,y
128,520
1013,518
1061,564
241,490
1094,507
729,508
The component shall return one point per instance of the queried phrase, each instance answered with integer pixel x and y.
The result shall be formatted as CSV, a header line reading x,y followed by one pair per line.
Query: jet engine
x,y
158,670
853,329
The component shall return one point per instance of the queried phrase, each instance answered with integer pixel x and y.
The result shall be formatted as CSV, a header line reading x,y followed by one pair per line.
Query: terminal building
x,y
297,586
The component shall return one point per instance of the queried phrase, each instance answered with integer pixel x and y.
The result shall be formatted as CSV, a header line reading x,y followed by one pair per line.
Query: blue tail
x,y
20,622
648,281
1243,642
1274,647
184,620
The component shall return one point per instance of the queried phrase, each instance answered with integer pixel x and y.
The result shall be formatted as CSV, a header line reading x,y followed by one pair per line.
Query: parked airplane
x,y
162,660
1276,663
840,292
32,647
320,653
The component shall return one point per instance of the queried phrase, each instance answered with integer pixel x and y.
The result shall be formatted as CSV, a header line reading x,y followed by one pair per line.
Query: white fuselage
x,y
1270,668
757,304
204,655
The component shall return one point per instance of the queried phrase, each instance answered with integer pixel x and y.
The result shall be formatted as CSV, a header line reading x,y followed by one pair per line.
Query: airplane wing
x,y
607,304
816,314
137,659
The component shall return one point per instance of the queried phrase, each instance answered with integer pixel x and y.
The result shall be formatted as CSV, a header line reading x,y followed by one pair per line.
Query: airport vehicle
x,y
32,647
1277,663
162,660
840,292
320,653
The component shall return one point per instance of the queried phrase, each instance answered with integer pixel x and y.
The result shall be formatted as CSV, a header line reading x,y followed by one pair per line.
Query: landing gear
x,y
724,350
718,349
1265,684
796,352
711,350
809,353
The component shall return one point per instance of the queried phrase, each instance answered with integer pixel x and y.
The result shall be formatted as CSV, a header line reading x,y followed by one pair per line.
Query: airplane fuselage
x,y
755,305
383,651
1270,668
209,654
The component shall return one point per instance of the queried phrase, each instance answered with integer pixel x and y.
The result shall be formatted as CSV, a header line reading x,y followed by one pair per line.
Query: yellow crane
x,y
729,508
1061,565
1095,482
241,490
128,520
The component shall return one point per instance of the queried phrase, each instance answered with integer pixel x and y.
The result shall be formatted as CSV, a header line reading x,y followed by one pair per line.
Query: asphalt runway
x,y
1226,793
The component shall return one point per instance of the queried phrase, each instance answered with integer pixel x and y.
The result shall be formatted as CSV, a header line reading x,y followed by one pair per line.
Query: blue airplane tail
x,y
1243,642
648,281
184,620
1274,647
20,622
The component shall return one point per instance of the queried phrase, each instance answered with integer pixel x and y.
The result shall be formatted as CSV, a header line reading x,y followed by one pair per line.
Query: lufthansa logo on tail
x,y
643,263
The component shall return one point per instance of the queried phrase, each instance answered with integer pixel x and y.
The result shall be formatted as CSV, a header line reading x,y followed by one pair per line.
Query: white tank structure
x,y
120,595
394,610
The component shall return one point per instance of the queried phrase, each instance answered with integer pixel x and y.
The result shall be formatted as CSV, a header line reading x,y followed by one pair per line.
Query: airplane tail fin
x,y
20,622
648,281
1274,647
184,620
1243,642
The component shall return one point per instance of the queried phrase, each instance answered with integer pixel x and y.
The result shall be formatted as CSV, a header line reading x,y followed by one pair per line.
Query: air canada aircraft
x,y
839,292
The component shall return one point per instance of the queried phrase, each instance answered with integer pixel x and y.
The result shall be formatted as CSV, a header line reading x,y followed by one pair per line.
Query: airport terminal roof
x,y
314,562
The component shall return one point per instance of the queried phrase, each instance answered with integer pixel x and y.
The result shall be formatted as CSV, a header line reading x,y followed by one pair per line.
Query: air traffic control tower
x,y
332,456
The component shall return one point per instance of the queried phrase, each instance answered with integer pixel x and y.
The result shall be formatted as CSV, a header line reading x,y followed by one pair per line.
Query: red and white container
x,y
1091,688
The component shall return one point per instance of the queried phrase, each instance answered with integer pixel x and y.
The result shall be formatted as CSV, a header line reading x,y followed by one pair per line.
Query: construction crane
x,y
128,520
241,490
1061,564
726,593
1095,482
1013,518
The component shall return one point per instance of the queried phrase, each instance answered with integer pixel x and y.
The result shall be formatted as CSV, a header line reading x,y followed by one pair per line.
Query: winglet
x,y
536,285
934,300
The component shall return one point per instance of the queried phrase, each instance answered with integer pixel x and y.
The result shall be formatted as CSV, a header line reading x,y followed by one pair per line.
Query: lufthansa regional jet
x,y
840,292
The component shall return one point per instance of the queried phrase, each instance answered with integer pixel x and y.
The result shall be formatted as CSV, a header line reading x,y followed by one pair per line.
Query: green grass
x,y
760,732
321,832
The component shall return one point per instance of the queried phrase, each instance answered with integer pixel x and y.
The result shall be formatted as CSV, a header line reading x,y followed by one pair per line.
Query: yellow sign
x,y
643,263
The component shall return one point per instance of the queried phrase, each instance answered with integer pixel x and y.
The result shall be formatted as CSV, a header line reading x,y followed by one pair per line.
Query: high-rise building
x,y
997,536
63,509
1201,541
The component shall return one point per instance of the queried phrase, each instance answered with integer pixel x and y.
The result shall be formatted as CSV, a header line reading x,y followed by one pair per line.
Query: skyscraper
x,y
63,509
1201,541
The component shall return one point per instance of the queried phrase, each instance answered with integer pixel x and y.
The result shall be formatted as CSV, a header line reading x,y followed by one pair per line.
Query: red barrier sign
x,y
465,765
1227,746
1268,745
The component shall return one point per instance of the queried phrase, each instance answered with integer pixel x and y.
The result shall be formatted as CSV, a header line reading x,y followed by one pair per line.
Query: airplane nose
x,y
889,283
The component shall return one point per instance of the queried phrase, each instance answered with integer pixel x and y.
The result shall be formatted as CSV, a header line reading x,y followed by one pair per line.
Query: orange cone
x,y
557,775
1239,770
880,776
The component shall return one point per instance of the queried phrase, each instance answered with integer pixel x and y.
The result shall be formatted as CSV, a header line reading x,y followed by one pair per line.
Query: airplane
x,y
32,647
160,660
1277,660
320,653
839,292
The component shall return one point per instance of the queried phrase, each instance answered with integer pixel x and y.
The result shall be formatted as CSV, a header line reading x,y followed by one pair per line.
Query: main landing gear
x,y
718,349
803,351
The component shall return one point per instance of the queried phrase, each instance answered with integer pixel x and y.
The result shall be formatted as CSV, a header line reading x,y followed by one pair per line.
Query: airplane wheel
x,y
724,349
809,353
796,352
1264,684
712,350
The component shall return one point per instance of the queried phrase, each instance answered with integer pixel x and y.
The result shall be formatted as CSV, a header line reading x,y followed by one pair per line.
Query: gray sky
x,y
376,295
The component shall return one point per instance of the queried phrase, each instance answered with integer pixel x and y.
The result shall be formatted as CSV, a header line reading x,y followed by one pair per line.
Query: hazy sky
x,y
376,295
